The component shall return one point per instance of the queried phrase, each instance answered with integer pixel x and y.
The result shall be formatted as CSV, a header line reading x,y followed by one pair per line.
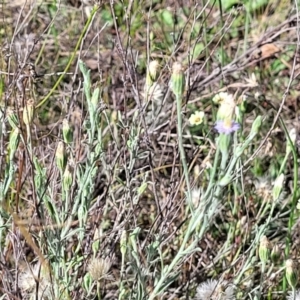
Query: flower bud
x,y
152,76
60,156
153,72
177,80
226,110
67,178
264,249
67,132
96,241
222,97
256,125
275,254
278,184
243,104
291,273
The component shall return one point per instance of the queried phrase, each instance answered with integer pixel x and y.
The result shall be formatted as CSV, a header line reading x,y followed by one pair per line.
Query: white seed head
x,y
28,280
99,268
214,290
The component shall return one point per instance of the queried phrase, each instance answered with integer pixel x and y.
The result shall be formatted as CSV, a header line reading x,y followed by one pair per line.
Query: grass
x,y
149,151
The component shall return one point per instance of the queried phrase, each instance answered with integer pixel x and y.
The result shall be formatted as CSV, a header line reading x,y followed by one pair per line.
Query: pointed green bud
x,y
152,73
264,249
152,89
256,125
239,114
278,185
177,80
275,254
67,178
291,273
60,156
243,104
67,132
96,241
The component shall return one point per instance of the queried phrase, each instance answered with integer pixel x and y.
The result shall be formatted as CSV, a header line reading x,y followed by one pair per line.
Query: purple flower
x,y
227,127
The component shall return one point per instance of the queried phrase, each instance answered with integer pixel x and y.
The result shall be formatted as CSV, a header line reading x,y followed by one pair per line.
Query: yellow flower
x,y
222,97
196,118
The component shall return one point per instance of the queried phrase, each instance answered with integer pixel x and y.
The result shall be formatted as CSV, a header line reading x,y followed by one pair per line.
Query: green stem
x,y
181,150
